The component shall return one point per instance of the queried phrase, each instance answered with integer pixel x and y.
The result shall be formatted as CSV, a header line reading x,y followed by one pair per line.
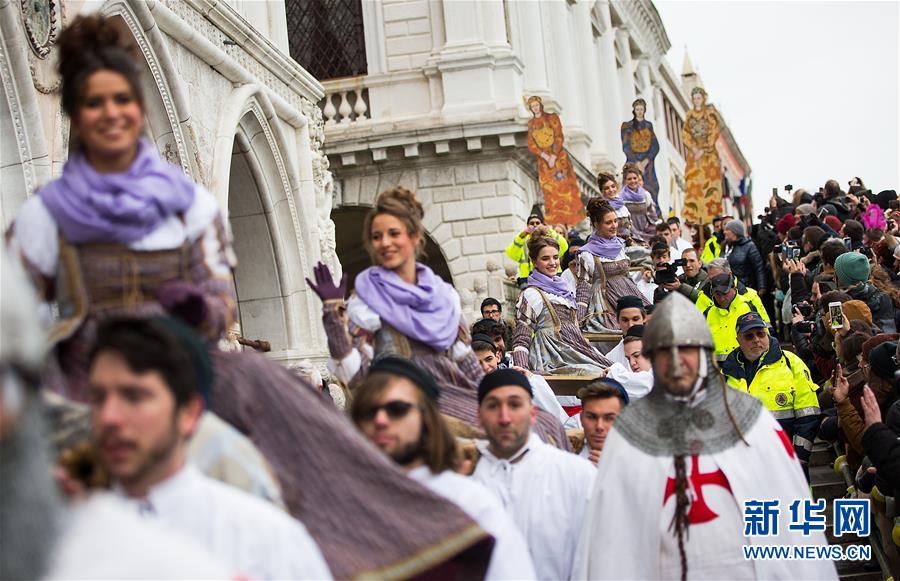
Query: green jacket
x,y
517,251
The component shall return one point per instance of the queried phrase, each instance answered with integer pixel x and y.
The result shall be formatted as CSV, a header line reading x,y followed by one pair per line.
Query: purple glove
x,y
324,285
185,301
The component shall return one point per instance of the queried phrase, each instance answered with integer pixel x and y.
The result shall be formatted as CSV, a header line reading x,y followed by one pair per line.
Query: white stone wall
x,y
407,33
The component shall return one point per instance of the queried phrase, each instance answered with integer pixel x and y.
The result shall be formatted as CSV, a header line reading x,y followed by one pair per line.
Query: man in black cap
x,y
630,311
396,409
779,379
545,489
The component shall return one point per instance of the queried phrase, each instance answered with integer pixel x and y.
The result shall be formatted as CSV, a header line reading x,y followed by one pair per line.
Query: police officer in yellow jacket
x,y
713,247
779,379
722,312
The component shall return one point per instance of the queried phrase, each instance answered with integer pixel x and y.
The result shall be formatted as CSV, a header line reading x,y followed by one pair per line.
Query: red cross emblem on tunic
x,y
786,442
699,512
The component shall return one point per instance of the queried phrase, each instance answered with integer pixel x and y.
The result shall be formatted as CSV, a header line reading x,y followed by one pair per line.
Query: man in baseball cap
x,y
779,379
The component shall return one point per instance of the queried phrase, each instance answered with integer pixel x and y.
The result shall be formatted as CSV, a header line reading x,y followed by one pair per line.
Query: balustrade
x,y
346,101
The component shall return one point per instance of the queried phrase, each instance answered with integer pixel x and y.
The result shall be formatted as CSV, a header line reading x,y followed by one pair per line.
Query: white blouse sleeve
x,y
35,236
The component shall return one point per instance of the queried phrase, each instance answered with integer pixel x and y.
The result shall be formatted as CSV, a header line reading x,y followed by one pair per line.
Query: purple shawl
x,y
555,286
117,207
427,311
616,202
608,248
629,195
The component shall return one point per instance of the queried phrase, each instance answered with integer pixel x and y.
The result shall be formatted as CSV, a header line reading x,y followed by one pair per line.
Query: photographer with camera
x,y
665,273
694,279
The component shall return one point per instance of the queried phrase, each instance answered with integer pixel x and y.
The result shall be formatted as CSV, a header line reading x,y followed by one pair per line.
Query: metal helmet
x,y
677,322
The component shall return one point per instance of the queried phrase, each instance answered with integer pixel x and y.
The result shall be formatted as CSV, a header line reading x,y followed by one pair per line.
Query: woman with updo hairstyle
x,y
122,232
602,272
609,191
401,307
547,339
640,204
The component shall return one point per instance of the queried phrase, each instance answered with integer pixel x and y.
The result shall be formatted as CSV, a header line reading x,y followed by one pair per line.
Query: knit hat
x,y
834,222
804,209
502,378
737,227
851,268
785,224
881,360
857,311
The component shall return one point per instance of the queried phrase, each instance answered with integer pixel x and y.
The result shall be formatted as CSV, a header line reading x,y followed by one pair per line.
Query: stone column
x,y
590,86
609,87
565,86
626,73
531,46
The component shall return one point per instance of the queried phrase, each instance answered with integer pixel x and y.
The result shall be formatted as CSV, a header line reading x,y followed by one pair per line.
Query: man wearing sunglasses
x,y
396,408
546,490
779,379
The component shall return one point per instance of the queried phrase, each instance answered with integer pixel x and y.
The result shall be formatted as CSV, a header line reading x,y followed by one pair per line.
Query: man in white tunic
x,y
145,381
396,408
544,489
680,464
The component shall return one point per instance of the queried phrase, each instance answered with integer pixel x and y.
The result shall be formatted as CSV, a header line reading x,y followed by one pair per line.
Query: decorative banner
x,y
562,199
703,170
640,146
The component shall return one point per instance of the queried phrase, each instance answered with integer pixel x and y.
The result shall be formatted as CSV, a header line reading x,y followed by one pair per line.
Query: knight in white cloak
x,y
680,464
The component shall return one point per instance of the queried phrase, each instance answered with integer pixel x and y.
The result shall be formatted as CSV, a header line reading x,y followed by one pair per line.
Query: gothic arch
x,y
166,112
270,243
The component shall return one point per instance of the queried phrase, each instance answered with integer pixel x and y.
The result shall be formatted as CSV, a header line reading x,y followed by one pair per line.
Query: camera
x,y
667,272
805,326
803,308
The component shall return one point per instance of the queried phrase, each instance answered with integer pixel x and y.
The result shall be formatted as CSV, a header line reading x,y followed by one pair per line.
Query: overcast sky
x,y
809,89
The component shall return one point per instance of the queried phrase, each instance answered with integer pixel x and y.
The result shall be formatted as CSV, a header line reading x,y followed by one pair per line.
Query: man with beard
x,y
146,377
41,537
544,489
702,451
396,409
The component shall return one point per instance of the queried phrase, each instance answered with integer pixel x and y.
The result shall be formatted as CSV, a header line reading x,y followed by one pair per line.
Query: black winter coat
x,y
747,263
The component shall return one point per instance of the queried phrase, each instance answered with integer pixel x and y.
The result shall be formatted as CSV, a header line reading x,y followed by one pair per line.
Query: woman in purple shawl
x,y
401,307
601,275
609,189
640,204
123,232
547,339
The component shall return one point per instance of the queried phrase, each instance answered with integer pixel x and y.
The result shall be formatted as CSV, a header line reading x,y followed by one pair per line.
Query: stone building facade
x,y
440,110
226,102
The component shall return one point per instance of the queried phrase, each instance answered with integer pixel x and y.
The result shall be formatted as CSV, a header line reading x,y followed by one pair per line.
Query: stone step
x,y
821,456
